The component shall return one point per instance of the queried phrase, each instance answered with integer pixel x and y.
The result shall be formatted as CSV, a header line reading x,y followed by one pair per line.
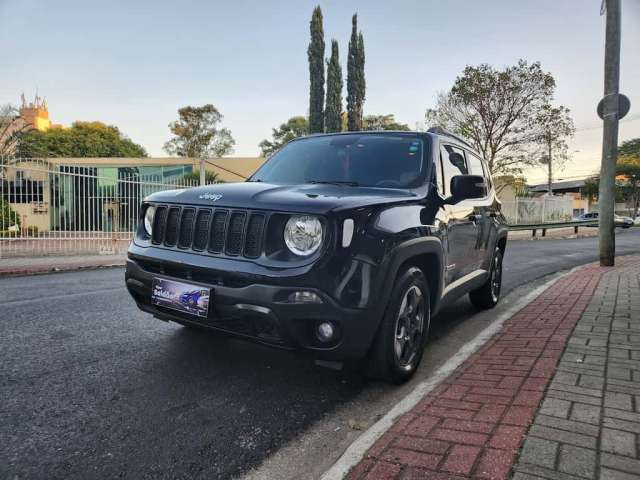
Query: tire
x,y
395,358
488,295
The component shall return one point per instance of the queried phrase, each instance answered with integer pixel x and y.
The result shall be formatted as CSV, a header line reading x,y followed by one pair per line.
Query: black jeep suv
x,y
343,245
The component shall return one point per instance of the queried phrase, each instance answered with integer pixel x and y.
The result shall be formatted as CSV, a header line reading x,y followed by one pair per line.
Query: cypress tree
x,y
333,109
355,77
315,53
362,84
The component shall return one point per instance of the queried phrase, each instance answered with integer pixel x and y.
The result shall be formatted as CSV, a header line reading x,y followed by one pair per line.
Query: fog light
x,y
325,331
304,297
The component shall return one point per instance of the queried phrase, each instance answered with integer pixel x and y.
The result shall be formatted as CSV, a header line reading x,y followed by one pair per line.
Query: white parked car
x,y
619,221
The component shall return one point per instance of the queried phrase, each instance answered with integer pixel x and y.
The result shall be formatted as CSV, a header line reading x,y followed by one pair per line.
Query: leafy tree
x,y
333,110
82,139
630,147
293,128
520,187
493,108
356,84
383,122
209,176
627,187
12,127
315,53
591,189
553,125
198,134
629,168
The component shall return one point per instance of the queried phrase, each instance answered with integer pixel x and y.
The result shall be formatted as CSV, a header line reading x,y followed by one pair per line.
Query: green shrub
x,y
8,217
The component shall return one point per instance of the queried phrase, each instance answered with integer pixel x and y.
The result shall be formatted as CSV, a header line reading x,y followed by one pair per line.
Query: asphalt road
x,y
92,388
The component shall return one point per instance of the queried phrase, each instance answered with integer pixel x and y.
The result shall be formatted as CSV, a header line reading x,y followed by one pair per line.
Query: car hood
x,y
307,198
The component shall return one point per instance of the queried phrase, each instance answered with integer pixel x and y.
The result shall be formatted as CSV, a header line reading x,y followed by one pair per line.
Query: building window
x,y
19,177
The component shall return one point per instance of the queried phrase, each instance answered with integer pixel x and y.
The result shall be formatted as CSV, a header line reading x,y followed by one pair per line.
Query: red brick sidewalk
x,y
472,425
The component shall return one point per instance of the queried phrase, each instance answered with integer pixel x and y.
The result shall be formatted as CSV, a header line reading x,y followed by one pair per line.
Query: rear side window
x,y
438,179
477,168
453,163
475,165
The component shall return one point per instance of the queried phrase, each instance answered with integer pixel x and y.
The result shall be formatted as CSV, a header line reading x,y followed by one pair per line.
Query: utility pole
x,y
202,171
606,202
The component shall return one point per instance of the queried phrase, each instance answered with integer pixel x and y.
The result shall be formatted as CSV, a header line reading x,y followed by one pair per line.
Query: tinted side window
x,y
453,163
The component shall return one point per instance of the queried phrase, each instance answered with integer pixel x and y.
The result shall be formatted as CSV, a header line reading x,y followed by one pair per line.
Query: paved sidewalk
x,y
474,423
37,265
589,423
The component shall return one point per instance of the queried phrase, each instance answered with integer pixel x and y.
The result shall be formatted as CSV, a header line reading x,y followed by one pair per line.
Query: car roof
x,y
409,133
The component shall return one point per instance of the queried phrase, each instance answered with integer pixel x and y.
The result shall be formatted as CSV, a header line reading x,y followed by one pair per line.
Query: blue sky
x,y
134,63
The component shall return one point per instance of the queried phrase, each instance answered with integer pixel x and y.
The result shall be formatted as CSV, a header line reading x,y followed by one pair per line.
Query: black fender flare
x,y
502,234
397,257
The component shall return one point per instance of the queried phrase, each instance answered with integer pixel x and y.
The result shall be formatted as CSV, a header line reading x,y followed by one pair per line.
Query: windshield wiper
x,y
335,182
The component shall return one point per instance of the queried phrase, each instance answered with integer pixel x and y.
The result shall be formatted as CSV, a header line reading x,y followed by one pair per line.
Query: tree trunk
x,y
550,171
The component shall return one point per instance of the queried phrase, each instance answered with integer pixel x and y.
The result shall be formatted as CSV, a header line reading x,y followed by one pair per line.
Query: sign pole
x,y
606,202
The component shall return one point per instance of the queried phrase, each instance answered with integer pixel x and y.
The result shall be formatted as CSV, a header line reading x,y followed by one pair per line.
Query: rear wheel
x,y
399,343
488,295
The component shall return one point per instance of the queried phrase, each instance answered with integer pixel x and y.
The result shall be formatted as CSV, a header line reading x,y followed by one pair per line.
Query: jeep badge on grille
x,y
214,197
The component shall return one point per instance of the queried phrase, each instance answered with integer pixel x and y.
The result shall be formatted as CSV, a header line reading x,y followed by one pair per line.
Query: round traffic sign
x,y
624,104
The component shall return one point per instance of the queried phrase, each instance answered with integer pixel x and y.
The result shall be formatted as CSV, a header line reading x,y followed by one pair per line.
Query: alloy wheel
x,y
409,327
496,277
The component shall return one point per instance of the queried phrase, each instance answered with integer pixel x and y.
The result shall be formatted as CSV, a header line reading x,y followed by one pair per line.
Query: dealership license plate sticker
x,y
179,296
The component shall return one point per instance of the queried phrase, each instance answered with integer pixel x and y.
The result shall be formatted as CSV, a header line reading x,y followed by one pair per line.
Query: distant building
x,y
30,116
571,188
36,113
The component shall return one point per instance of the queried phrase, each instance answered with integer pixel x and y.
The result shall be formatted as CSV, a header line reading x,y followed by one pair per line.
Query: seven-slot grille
x,y
218,231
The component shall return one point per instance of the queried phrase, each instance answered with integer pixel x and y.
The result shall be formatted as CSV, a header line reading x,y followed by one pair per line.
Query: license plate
x,y
180,296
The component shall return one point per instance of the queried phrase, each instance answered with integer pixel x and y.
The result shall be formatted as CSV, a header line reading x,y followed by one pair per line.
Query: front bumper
x,y
258,311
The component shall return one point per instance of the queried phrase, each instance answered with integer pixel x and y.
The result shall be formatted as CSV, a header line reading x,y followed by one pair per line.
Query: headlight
x,y
148,219
303,234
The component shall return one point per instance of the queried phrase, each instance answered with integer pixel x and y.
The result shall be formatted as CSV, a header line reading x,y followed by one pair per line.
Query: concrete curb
x,y
45,269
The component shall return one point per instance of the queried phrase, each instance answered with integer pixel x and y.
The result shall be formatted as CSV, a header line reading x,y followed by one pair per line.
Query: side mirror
x,y
464,187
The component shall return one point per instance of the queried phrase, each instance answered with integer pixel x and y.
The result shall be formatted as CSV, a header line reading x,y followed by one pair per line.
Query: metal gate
x,y
48,209
544,209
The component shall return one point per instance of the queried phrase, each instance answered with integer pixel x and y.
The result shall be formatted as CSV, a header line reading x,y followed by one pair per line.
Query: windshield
x,y
370,160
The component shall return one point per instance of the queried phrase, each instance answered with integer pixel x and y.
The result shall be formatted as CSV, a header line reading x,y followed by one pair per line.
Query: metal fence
x,y
543,209
52,209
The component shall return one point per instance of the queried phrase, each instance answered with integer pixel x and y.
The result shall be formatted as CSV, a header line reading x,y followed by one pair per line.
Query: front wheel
x,y
488,295
399,343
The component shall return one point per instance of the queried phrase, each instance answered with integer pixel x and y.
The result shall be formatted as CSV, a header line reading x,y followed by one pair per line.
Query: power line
x,y
632,118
